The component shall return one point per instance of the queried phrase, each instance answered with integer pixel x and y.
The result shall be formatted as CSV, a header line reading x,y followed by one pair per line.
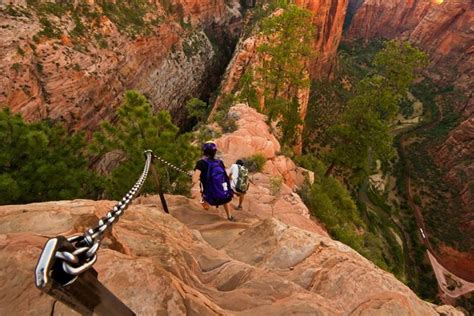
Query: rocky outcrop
x,y
253,137
454,156
194,262
51,69
446,34
387,18
328,22
328,17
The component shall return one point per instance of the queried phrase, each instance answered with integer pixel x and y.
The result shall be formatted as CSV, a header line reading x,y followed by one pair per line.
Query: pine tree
x,y
284,62
136,130
42,162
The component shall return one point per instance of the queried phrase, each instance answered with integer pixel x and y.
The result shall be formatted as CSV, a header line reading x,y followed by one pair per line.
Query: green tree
x,y
136,130
197,109
283,71
42,162
364,129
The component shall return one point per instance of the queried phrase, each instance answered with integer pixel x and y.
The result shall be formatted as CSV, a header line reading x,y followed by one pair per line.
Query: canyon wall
x,y
387,18
72,63
445,30
328,22
447,34
329,16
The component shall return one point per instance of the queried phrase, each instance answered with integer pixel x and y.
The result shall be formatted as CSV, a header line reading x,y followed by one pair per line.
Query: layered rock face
x,y
387,18
446,34
73,64
328,22
195,262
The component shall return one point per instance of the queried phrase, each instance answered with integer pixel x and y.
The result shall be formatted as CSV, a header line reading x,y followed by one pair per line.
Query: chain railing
x,y
64,270
169,164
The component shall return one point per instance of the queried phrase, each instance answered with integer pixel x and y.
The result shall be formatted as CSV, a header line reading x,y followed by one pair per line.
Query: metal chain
x,y
85,254
169,164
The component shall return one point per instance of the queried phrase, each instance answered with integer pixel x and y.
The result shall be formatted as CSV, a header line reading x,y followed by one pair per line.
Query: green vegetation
x,y
133,18
138,129
16,67
283,71
20,51
349,125
49,29
368,231
42,162
364,127
227,122
275,184
197,109
255,163
439,201
129,16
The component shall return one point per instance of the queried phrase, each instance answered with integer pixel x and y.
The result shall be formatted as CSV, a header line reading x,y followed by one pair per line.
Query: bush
x,y
136,130
197,109
226,122
255,163
275,185
42,162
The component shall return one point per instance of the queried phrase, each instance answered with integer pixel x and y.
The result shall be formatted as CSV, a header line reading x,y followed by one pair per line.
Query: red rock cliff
x,y
329,18
79,76
387,18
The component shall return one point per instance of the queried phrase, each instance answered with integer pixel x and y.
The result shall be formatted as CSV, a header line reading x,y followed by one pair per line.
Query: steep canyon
x,y
72,62
444,30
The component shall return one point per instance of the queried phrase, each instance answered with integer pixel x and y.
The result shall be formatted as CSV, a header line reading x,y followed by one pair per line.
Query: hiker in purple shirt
x,y
215,184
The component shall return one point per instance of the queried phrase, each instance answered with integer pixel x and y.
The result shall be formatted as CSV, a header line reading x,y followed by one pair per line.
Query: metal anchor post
x,y
84,293
159,189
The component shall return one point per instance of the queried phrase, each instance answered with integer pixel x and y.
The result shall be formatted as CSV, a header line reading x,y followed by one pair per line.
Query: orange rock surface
x,y
194,262
329,18
80,80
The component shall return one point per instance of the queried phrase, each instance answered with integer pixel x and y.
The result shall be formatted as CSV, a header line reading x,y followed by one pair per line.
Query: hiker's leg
x,y
241,199
227,209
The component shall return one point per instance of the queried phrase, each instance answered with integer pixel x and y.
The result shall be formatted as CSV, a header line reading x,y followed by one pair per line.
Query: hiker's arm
x,y
195,190
196,175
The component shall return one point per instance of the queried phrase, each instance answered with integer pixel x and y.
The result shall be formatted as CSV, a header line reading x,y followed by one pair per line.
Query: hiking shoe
x,y
204,204
238,207
231,218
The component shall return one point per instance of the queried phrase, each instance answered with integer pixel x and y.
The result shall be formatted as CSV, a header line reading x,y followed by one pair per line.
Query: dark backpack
x,y
217,189
242,184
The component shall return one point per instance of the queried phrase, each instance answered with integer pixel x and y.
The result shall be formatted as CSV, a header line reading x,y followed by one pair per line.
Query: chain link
x,y
87,245
169,164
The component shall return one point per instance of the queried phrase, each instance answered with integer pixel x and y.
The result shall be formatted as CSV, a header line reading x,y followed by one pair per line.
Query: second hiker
x,y
239,180
215,184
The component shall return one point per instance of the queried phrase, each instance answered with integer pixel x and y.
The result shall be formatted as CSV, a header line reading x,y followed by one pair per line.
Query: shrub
x,y
226,122
138,129
275,185
42,162
255,163
197,109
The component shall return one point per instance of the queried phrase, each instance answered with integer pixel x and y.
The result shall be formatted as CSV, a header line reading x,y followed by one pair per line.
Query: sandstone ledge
x,y
195,262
